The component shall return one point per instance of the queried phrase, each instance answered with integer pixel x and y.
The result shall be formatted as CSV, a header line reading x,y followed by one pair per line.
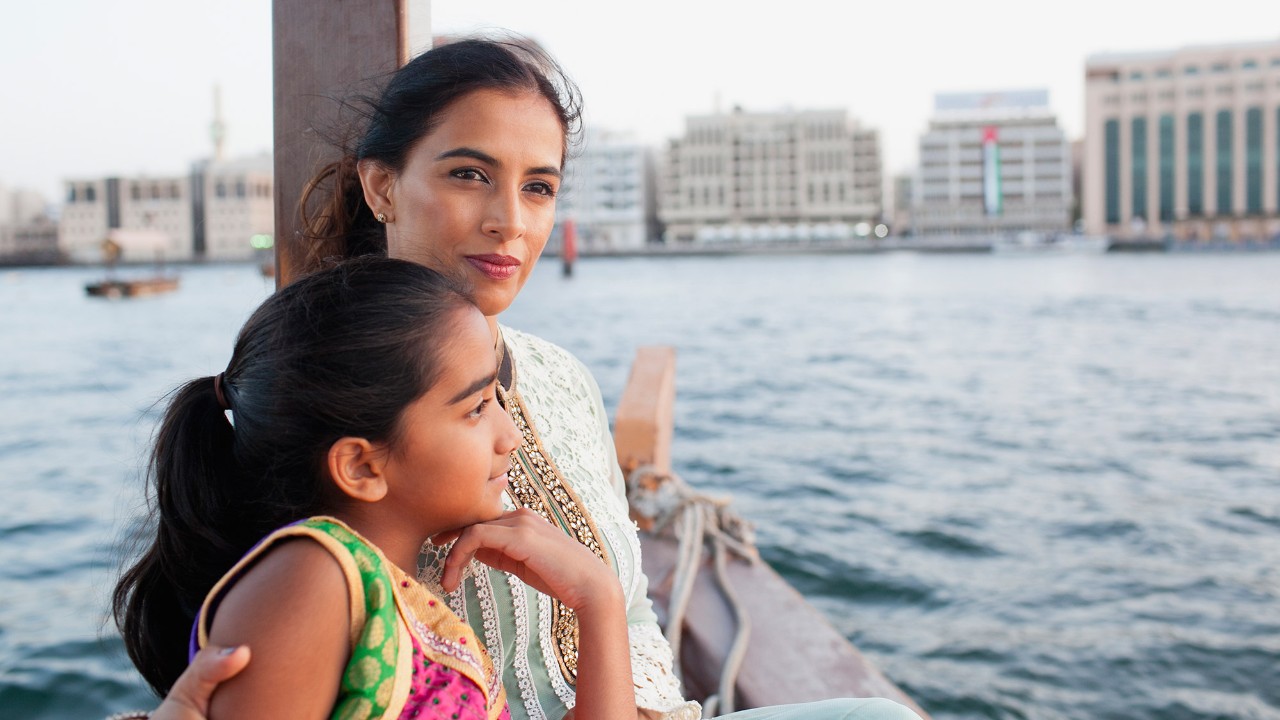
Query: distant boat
x,y
1042,243
135,242
132,288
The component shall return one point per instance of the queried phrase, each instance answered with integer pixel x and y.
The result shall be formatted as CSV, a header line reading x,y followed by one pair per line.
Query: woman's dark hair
x,y
338,353
336,221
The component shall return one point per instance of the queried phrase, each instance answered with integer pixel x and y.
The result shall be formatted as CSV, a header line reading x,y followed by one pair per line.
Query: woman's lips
x,y
497,267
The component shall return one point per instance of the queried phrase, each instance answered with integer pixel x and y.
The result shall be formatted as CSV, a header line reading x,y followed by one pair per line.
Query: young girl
x,y
355,421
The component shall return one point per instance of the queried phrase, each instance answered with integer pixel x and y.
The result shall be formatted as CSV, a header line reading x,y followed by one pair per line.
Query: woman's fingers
x,y
526,545
189,697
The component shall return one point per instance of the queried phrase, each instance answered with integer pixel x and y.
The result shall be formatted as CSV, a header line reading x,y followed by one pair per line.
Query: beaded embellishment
x,y
535,483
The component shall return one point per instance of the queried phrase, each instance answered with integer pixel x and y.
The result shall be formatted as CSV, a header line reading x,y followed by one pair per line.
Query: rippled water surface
x,y
1027,487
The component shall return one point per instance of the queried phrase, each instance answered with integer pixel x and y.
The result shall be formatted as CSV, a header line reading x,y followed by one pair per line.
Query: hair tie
x,y
217,390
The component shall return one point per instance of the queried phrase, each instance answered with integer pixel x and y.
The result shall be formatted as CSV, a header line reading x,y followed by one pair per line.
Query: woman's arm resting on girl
x,y
189,698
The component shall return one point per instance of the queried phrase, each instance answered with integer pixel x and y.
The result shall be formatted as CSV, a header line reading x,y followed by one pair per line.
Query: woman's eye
x,y
479,409
469,174
541,188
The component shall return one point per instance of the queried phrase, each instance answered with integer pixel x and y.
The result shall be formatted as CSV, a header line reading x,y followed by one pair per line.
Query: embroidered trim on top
x,y
489,617
520,654
535,483
567,695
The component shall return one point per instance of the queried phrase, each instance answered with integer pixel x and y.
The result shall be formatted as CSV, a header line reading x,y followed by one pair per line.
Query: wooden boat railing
x,y
794,654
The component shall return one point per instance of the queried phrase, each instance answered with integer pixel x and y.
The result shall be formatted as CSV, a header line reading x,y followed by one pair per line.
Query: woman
x,y
458,170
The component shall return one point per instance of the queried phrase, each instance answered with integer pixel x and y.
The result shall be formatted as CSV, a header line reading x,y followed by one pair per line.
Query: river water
x,y
1027,487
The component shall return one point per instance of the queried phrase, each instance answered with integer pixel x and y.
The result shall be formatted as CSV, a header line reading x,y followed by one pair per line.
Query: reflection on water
x,y
1028,487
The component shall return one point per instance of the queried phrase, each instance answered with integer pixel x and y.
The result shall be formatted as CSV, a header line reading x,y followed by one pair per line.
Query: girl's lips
x,y
497,267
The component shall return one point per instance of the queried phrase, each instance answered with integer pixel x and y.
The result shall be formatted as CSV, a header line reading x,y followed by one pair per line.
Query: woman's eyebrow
x,y
484,157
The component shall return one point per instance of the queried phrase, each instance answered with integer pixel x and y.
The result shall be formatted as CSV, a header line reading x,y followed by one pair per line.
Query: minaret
x,y
218,130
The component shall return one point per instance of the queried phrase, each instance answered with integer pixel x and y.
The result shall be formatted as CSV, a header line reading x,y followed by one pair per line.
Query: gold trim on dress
x,y
534,482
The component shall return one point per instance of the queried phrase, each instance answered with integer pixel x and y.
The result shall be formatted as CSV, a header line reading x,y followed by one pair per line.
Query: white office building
x,y
1184,144
212,214
749,177
609,193
991,163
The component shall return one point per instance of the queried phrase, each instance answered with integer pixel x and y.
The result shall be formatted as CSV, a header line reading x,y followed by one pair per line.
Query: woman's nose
x,y
504,217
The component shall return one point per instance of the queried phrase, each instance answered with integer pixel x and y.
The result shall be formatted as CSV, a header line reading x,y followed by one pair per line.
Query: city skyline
x,y
139,100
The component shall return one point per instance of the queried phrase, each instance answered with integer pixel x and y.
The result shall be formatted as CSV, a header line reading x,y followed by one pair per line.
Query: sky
x,y
125,87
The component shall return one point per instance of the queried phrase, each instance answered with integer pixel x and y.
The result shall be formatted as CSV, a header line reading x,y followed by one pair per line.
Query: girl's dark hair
x,y
336,221
338,353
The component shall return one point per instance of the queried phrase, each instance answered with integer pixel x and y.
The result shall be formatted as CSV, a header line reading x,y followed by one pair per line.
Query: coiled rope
x,y
697,521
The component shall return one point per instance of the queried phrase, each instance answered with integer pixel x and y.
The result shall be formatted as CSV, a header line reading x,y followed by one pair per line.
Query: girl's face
x,y
448,467
477,195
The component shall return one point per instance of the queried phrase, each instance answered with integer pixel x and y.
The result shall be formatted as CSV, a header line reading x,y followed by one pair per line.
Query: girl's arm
x,y
291,607
527,546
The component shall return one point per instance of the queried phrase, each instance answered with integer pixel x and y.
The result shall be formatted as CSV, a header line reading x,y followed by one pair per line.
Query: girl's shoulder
x,y
289,601
282,570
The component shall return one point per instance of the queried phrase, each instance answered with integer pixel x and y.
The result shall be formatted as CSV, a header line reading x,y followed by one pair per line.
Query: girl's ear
x,y
377,181
357,467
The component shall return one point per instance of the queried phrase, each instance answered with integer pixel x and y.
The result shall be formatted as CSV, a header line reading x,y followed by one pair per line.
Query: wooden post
x,y
643,424
323,52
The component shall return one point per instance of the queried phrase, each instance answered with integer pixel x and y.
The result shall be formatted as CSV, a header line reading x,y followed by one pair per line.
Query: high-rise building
x,y
1184,143
992,162
744,177
609,193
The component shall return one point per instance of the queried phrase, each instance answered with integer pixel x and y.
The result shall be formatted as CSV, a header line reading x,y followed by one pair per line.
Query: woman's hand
x,y
544,557
189,697
524,544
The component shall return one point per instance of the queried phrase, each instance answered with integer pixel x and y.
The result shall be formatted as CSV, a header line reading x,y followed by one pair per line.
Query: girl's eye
x,y
479,409
541,188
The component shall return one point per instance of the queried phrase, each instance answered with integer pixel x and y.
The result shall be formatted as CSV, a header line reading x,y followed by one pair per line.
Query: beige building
x,y
212,214
751,177
94,207
238,211
992,162
1184,144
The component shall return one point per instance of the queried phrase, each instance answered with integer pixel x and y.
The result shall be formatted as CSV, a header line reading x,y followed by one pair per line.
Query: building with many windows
x,y
744,177
1184,144
992,162
212,214
609,193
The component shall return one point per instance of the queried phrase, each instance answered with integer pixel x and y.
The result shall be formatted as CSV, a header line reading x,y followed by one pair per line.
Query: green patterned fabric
x,y
370,675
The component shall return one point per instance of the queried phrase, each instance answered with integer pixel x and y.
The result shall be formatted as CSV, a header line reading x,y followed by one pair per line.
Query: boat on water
x,y
139,287
135,243
1045,243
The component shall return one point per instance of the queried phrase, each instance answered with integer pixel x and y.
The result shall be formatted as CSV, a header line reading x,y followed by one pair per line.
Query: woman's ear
x,y
357,467
377,181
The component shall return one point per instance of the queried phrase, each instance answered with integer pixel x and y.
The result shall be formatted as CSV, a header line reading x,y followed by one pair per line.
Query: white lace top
x,y
514,620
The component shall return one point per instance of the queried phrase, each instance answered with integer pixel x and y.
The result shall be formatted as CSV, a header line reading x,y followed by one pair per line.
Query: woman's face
x,y
477,195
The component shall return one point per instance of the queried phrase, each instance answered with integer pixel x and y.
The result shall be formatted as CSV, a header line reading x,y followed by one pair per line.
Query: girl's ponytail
x,y
193,487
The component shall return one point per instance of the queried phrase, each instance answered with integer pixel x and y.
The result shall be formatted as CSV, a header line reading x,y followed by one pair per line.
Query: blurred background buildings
x,y
1180,146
